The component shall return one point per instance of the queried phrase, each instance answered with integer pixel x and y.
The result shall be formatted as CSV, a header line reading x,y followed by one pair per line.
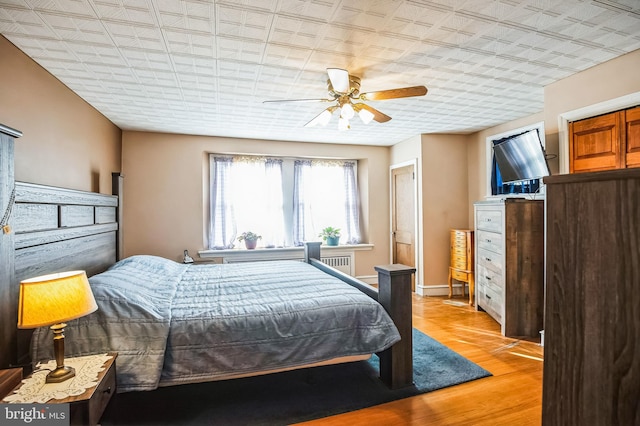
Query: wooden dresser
x,y
592,308
509,255
462,265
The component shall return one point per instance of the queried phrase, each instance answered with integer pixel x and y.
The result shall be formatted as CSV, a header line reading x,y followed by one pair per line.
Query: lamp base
x,y
60,374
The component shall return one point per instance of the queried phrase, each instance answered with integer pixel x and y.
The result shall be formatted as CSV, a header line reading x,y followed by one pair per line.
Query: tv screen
x,y
521,157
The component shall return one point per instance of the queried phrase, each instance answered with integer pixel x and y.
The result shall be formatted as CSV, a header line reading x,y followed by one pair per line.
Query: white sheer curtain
x,y
325,194
351,206
302,190
222,229
247,196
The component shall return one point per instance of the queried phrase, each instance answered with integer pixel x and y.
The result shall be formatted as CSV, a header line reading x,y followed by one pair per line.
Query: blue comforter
x,y
172,323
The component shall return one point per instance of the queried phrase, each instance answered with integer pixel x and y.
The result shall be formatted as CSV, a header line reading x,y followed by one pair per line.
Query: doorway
x,y
403,216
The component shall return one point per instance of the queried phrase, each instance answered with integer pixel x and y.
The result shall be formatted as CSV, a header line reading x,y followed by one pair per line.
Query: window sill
x,y
279,253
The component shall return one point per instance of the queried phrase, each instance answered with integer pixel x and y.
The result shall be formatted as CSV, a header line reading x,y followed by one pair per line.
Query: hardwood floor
x,y
513,395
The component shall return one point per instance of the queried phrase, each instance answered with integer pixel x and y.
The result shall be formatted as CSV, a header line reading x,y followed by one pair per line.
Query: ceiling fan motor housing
x,y
354,87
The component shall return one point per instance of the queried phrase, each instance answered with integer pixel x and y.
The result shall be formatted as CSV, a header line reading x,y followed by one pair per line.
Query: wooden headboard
x,y
52,230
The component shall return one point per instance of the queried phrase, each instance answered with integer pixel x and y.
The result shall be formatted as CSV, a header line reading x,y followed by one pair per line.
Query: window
x,y
286,201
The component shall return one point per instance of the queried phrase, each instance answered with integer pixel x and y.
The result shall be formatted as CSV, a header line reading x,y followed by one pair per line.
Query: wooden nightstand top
x,y
87,408
9,379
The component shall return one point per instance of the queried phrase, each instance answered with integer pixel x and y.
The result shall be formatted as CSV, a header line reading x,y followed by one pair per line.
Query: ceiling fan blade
x,y
405,92
322,118
339,79
378,116
297,100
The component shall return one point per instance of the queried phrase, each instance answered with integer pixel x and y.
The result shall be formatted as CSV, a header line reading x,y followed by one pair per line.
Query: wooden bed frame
x,y
56,229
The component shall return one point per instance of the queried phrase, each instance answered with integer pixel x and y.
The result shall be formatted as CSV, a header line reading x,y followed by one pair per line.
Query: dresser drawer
x,y
460,276
488,301
459,237
490,260
490,241
460,264
489,220
490,278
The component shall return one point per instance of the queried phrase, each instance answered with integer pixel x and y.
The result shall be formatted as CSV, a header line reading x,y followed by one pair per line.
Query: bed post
x,y
116,189
8,288
394,294
312,250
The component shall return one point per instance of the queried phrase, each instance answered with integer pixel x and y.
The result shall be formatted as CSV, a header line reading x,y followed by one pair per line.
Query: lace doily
x,y
35,390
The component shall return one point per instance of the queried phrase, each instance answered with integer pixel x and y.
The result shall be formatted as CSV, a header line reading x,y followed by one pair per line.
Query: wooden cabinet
x,y
509,238
462,266
632,130
87,408
606,142
592,315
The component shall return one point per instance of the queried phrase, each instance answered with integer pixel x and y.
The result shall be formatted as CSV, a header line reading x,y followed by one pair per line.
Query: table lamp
x,y
51,300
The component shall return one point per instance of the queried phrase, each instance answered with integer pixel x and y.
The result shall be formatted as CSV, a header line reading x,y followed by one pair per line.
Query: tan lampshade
x,y
55,298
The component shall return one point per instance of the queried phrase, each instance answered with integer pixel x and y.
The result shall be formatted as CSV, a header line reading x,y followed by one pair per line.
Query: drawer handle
x,y
489,241
488,220
489,278
488,259
487,296
107,390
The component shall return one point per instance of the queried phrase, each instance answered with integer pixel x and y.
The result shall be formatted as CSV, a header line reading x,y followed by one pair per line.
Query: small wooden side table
x,y
87,408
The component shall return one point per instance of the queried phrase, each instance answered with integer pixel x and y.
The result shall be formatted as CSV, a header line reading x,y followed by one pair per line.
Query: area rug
x,y
291,397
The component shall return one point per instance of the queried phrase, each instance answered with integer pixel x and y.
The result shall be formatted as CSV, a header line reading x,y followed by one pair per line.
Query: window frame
x,y
288,175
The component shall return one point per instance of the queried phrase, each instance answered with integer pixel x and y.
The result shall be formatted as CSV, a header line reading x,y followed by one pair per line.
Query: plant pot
x,y
333,241
250,244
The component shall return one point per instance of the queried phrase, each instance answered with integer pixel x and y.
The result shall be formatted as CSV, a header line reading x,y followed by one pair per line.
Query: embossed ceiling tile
x,y
149,77
13,19
198,44
316,10
189,64
237,22
96,54
239,49
138,14
286,56
71,7
134,36
147,59
296,31
370,15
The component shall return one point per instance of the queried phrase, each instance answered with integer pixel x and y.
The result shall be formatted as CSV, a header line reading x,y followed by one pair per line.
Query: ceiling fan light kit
x,y
344,89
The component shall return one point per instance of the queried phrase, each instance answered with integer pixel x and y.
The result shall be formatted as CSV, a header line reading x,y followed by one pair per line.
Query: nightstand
x,y
87,408
9,379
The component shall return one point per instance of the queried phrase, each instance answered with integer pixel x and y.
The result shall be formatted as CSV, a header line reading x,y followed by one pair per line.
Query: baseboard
x,y
439,290
369,279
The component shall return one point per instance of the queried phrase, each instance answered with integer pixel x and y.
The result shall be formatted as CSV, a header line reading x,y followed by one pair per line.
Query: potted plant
x,y
331,235
250,239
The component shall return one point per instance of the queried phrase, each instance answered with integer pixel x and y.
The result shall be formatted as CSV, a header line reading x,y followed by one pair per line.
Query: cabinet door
x,y
632,121
596,143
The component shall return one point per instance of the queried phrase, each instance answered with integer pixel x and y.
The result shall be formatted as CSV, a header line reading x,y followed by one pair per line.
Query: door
x,y
403,216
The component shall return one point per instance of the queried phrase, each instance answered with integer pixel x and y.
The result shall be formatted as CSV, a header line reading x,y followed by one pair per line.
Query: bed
x,y
212,322
56,229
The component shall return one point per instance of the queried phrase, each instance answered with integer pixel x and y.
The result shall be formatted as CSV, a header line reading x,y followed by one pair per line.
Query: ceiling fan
x,y
344,90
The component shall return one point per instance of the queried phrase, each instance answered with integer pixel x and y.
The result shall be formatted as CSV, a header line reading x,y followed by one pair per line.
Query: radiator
x,y
341,263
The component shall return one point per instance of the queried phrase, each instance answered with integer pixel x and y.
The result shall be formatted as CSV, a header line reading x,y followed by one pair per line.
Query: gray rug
x,y
290,397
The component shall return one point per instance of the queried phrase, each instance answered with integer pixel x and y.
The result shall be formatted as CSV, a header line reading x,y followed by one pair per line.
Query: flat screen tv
x,y
521,157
